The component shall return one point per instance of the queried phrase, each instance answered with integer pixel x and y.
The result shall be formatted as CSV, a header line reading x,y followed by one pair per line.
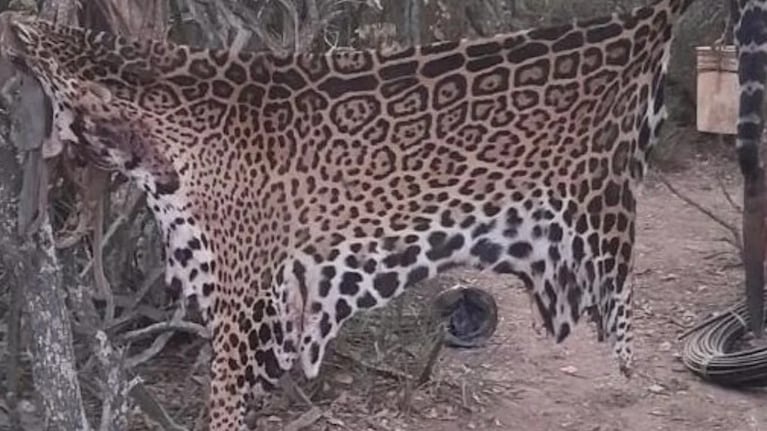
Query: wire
x,y
711,351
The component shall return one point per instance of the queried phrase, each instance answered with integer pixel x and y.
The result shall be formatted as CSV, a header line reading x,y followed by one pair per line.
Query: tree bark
x,y
33,266
28,250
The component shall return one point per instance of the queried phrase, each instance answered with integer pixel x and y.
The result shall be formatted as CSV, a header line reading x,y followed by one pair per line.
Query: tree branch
x,y
115,405
729,227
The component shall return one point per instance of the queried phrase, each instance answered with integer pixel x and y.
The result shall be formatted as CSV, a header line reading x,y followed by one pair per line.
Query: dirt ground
x,y
522,380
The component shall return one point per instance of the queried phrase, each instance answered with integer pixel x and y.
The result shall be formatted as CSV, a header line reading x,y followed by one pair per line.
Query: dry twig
x,y
734,231
153,409
99,276
131,311
384,371
306,420
728,196
135,200
431,358
115,389
158,344
169,326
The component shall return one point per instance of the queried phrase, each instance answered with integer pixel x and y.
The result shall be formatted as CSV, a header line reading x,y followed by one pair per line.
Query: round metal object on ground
x,y
470,316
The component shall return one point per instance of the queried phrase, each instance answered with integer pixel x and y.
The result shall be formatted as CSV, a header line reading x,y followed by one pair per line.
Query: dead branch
x,y
116,387
431,358
74,235
241,17
28,139
87,319
99,277
169,326
158,344
137,16
153,409
61,11
53,370
130,311
382,370
135,201
293,22
307,419
296,34
201,362
32,211
204,14
727,195
313,27
734,231
294,392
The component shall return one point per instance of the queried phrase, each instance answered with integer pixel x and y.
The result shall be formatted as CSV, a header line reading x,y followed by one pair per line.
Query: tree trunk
x,y
28,251
34,268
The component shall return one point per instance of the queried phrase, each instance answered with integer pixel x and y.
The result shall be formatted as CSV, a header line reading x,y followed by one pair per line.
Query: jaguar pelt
x,y
293,191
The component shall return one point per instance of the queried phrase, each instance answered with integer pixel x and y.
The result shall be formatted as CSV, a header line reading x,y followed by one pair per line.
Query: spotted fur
x,y
294,191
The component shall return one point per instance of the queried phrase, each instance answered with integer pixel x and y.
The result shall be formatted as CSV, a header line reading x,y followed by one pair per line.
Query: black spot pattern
x,y
288,185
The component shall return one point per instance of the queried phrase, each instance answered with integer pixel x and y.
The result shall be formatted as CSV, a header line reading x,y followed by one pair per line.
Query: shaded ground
x,y
522,380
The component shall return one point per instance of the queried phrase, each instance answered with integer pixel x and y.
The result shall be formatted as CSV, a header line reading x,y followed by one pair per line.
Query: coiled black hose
x,y
710,351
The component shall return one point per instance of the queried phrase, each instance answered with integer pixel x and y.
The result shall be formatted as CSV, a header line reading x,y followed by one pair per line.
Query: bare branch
x,y
201,361
382,370
732,229
138,16
431,358
313,26
61,12
272,43
147,284
727,195
136,199
54,366
158,344
293,22
153,409
214,33
306,420
115,405
172,326
74,236
99,277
